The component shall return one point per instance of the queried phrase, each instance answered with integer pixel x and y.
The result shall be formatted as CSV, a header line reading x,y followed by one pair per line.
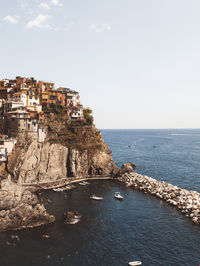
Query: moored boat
x,y
84,183
58,189
118,196
135,263
94,197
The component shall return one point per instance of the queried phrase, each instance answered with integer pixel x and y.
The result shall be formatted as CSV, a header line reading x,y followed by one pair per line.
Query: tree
x,y
87,112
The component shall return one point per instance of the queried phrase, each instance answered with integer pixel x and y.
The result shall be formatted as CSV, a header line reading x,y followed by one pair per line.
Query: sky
x,y
136,63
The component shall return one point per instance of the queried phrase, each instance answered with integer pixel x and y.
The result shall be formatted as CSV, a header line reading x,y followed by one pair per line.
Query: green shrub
x,y
87,112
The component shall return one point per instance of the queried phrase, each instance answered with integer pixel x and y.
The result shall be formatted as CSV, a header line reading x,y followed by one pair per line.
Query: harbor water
x,y
113,232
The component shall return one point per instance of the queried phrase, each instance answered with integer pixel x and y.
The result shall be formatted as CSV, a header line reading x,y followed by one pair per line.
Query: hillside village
x,y
24,105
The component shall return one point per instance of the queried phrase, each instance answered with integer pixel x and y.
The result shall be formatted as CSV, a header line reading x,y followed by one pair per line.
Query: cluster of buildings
x,y
22,102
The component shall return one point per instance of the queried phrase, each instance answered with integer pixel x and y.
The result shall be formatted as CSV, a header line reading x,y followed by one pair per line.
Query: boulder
x,y
72,217
126,168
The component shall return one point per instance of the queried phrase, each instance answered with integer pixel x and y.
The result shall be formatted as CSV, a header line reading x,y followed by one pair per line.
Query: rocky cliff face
x,y
55,159
40,163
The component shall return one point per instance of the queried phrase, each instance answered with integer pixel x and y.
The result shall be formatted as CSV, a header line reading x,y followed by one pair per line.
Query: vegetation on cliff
x,y
74,134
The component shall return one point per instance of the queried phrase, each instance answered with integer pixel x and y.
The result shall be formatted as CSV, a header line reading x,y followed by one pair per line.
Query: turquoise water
x,y
111,232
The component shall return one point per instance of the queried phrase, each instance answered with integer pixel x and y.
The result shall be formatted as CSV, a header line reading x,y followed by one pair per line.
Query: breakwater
x,y
187,201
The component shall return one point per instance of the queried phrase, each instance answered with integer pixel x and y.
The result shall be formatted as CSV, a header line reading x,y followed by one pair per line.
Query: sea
x,y
111,232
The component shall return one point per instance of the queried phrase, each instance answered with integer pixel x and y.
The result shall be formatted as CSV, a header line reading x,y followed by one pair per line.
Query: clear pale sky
x,y
136,63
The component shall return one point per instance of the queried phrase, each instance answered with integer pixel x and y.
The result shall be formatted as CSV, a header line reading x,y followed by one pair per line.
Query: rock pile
x,y
72,217
20,208
187,201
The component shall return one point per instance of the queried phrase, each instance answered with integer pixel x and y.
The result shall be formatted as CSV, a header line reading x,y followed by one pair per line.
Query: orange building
x,y
45,86
56,97
41,116
20,80
44,97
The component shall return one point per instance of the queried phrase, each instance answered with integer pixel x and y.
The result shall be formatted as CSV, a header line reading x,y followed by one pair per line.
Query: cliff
x,y
79,152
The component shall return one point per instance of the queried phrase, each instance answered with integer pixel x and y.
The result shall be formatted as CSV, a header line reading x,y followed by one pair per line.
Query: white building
x,y
73,98
77,113
33,100
20,97
6,147
41,135
35,108
8,106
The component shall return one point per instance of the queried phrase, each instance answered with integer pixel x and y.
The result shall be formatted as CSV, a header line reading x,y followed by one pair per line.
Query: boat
x,y
94,197
84,183
68,187
155,146
135,263
58,189
118,196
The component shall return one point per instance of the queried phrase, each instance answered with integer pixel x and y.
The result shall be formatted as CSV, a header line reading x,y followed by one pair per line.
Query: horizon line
x,y
149,128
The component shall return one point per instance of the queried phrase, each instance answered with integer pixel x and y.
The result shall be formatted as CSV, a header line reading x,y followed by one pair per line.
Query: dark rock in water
x,y
126,168
72,217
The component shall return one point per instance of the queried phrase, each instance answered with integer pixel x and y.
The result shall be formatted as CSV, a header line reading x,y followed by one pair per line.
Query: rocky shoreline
x,y
19,208
186,201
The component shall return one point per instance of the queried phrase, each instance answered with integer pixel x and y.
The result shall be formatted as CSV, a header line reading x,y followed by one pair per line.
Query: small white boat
x,y
84,183
68,187
58,189
118,196
135,263
94,197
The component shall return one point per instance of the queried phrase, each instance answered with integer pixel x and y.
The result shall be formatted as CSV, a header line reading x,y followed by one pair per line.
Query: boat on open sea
x,y
155,146
135,263
94,197
118,196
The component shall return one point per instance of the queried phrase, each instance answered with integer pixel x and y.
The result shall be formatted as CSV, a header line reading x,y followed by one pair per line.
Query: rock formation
x,y
58,158
20,208
187,201
72,217
125,168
